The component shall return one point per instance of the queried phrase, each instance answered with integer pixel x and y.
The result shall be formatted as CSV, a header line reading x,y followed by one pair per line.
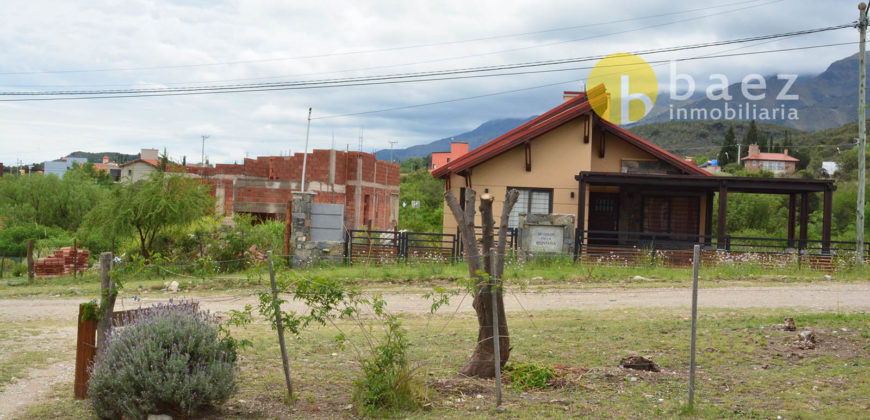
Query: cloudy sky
x,y
97,45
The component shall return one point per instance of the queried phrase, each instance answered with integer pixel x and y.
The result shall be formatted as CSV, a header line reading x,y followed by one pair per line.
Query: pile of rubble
x,y
62,262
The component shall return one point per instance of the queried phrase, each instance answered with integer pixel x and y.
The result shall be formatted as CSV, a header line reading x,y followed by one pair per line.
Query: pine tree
x,y
751,136
727,153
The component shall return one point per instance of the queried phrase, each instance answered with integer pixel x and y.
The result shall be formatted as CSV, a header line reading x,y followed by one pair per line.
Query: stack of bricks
x,y
62,263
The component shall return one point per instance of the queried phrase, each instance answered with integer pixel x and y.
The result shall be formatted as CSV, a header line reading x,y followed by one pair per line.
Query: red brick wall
x,y
289,168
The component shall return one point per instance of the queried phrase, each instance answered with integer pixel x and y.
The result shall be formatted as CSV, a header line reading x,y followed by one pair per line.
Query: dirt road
x,y
820,298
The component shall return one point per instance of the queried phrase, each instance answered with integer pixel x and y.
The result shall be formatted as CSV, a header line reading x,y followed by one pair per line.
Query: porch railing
x,y
654,242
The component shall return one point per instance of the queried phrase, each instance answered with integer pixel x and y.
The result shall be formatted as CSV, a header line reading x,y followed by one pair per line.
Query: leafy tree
x,y
420,186
46,200
147,207
414,164
164,161
728,152
88,170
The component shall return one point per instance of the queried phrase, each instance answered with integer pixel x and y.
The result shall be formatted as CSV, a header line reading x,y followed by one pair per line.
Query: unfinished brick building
x,y
368,188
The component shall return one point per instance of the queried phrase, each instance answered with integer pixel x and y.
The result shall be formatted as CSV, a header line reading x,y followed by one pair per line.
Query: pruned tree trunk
x,y
481,362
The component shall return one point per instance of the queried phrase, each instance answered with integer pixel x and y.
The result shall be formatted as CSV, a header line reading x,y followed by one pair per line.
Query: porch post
x,y
805,219
791,216
723,212
708,220
581,216
826,221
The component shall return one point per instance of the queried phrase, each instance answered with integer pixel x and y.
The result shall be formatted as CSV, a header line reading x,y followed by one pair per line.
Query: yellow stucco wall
x,y
136,172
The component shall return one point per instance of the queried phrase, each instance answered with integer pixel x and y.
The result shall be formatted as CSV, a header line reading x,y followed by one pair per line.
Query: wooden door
x,y
603,218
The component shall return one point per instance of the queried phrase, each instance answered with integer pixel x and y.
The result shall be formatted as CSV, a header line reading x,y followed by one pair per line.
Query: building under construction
x,y
368,188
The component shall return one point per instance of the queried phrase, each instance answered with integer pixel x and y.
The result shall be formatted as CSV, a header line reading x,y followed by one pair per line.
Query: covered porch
x,y
673,212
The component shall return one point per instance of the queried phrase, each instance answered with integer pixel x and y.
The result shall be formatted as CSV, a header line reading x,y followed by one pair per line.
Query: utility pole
x,y
739,150
202,162
305,152
862,134
391,149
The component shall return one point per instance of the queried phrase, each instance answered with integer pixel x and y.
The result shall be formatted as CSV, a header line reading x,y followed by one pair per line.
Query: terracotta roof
x,y
772,156
153,162
549,121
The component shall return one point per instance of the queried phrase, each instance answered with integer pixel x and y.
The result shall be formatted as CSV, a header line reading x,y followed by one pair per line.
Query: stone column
x,y
301,234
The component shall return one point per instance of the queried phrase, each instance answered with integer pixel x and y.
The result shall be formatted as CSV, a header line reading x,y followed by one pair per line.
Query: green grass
x,y
745,368
552,273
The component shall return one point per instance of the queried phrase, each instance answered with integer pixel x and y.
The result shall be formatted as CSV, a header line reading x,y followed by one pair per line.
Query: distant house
x,y
778,163
110,168
440,159
59,167
141,168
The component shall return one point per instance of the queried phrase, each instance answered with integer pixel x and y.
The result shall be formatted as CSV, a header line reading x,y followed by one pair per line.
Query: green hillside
x,y
703,138
98,157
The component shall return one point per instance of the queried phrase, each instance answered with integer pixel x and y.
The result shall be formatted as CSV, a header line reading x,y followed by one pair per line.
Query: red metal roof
x,y
549,121
781,157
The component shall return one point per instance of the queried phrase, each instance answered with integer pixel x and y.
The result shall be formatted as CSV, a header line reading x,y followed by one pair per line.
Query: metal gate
x,y
381,246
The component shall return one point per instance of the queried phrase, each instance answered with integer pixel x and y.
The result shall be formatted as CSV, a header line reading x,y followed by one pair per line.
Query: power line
x,y
422,76
304,87
417,46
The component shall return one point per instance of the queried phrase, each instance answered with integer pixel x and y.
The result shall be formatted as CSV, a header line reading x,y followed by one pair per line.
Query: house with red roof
x,y
141,168
778,163
621,190
457,149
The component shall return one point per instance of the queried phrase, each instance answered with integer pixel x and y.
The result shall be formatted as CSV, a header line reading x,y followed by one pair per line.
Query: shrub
x,y
168,359
388,382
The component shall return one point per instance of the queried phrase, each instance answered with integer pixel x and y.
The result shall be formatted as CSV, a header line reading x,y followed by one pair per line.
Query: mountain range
x,y
824,101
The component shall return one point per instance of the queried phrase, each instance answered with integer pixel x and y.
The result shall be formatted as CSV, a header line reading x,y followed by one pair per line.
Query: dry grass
x,y
745,368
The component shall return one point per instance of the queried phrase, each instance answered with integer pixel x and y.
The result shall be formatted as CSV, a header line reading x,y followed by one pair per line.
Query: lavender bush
x,y
168,359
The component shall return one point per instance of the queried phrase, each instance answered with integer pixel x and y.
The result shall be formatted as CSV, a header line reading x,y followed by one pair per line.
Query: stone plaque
x,y
546,238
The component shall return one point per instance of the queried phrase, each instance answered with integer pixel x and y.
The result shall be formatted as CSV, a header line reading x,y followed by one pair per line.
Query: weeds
x,y
526,376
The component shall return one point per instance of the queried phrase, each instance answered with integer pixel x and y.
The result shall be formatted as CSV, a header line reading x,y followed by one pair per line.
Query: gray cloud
x,y
63,35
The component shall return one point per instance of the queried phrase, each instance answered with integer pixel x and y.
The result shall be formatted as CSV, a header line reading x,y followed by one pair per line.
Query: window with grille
x,y
531,200
678,215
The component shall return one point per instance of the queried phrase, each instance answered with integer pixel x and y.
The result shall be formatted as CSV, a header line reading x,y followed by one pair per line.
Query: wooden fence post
x,y
30,272
2,263
85,350
288,227
75,258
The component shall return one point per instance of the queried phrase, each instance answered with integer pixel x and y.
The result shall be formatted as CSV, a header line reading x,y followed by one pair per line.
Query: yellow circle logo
x,y
630,84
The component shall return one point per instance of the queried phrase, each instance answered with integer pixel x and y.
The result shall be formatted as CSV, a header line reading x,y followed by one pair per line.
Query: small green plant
x,y
91,310
388,382
169,359
526,376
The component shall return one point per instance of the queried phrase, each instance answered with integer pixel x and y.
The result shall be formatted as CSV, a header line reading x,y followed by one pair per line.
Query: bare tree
x,y
481,362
